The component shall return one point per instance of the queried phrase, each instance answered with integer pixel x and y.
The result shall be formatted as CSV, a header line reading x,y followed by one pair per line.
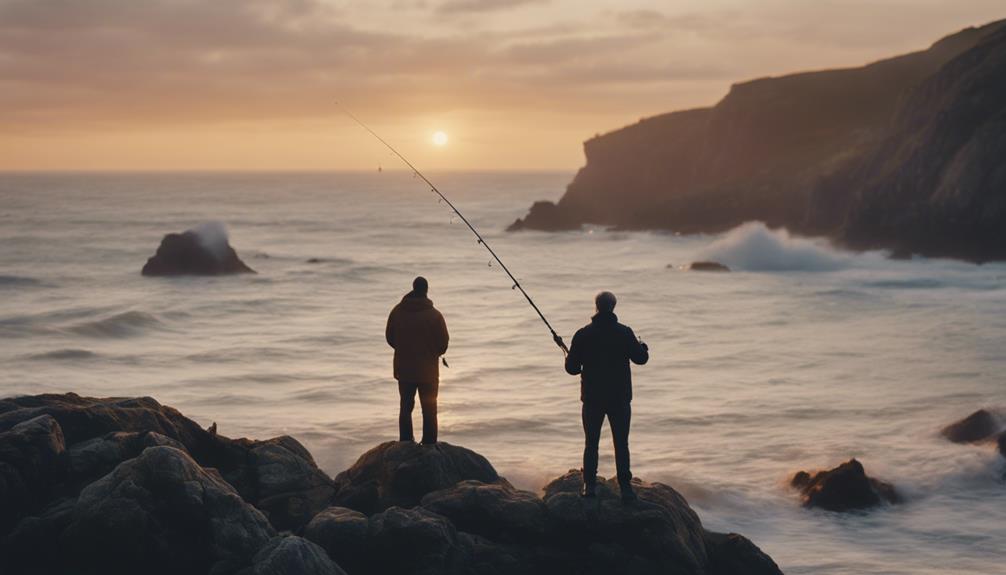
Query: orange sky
x,y
517,84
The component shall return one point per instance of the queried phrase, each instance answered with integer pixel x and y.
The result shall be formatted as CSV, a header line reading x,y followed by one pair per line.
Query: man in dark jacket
x,y
418,333
600,355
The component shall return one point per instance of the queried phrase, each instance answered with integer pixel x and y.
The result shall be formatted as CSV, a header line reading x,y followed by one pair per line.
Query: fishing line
x,y
416,173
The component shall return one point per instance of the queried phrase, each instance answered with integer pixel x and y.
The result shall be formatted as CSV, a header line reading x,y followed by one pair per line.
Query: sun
x,y
439,138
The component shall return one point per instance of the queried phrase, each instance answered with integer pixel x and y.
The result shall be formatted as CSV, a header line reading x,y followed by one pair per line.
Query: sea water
x,y
801,358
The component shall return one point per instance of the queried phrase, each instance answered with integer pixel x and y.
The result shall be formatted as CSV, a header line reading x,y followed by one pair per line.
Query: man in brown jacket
x,y
418,333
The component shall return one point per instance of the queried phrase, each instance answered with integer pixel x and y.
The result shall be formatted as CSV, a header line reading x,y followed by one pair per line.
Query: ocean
x,y
801,358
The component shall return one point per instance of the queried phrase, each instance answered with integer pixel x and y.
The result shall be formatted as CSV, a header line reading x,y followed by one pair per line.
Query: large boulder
x,y
288,486
342,533
278,475
203,251
32,463
733,554
494,510
33,545
844,488
400,473
162,513
979,426
658,533
95,457
82,418
1002,444
292,555
396,540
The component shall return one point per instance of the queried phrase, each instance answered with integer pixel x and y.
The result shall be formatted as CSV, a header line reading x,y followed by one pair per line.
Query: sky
x,y
515,84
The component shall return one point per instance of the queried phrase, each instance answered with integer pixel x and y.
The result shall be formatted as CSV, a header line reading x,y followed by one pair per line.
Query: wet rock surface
x,y
402,472
131,486
979,426
844,488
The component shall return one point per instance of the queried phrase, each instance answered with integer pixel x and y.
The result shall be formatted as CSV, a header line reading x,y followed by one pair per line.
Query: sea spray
x,y
213,236
754,247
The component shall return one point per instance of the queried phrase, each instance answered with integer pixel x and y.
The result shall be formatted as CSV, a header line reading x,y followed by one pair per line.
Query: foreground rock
x,y
474,527
292,555
32,463
401,473
844,488
161,512
1002,444
195,253
131,486
979,426
278,476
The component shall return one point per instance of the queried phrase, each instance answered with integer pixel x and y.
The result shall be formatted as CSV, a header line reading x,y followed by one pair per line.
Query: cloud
x,y
469,6
82,64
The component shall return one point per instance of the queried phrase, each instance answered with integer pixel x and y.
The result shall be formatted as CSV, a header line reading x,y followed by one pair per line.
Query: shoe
x,y
589,489
628,494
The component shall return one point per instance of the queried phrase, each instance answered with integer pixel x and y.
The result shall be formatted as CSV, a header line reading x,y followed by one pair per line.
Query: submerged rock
x,y
400,473
707,267
979,426
844,488
194,253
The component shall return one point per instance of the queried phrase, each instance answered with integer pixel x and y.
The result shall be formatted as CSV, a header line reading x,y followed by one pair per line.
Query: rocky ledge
x,y
127,485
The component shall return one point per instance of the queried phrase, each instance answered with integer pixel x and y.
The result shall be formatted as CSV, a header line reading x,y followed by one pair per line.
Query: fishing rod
x,y
516,284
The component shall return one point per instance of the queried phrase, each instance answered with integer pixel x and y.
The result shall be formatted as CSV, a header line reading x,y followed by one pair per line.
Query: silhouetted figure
x,y
418,333
600,354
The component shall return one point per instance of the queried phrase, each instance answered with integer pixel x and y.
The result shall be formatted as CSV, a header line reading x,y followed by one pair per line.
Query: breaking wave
x,y
125,324
754,247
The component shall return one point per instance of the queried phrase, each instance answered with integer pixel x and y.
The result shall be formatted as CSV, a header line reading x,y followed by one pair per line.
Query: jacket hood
x,y
604,317
412,302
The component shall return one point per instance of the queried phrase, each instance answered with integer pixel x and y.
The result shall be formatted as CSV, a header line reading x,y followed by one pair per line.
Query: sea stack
x,y
202,251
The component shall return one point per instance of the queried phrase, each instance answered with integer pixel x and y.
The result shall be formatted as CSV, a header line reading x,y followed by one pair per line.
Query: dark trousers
x,y
428,403
619,415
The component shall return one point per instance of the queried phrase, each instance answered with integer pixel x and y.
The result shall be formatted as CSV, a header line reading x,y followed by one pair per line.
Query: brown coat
x,y
418,333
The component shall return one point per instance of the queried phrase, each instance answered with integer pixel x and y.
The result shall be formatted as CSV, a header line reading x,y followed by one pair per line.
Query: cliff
x,y
936,183
127,485
761,153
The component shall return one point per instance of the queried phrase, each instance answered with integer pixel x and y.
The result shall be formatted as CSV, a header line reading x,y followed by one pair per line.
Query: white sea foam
x,y
754,247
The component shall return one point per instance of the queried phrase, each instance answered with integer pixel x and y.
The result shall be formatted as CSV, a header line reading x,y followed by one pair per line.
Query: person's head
x,y
420,286
605,302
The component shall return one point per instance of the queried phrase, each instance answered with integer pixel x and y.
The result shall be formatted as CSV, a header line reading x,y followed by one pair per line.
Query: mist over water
x,y
800,359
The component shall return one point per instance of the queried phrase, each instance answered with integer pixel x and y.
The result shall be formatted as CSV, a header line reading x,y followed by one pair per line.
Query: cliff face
x,y
758,154
936,184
